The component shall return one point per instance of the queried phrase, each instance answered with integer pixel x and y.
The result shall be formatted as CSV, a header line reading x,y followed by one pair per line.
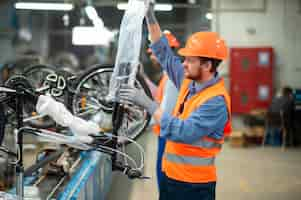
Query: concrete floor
x,y
249,174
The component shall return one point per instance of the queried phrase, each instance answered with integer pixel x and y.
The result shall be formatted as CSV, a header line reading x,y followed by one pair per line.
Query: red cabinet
x,y
251,78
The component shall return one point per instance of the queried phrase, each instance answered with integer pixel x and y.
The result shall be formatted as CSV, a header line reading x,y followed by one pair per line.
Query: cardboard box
x,y
255,131
237,139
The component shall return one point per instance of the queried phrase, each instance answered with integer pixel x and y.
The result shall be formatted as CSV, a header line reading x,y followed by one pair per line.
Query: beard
x,y
193,75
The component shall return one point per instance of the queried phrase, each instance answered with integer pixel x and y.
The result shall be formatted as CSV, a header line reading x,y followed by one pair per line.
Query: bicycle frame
x,y
19,94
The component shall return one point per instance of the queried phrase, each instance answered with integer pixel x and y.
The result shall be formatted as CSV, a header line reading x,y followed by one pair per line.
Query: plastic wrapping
x,y
129,45
103,119
46,105
77,142
7,196
83,127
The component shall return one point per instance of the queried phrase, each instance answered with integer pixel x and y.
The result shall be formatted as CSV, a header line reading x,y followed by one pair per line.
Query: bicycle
x,y
18,92
85,96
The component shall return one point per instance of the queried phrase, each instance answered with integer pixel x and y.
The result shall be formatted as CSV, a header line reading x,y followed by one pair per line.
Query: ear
x,y
208,66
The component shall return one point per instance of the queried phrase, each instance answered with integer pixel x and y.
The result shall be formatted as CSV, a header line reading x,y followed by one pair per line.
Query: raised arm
x,y
169,62
152,24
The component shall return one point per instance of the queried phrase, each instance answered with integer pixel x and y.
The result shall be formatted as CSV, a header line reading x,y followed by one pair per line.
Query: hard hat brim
x,y
189,52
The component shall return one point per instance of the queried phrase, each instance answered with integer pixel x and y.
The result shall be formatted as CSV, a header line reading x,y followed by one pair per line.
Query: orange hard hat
x,y
205,44
172,40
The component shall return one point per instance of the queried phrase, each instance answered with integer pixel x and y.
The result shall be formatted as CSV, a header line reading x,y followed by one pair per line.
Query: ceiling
x,y
113,2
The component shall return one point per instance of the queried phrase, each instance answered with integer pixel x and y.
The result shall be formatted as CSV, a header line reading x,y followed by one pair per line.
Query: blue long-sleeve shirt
x,y
207,120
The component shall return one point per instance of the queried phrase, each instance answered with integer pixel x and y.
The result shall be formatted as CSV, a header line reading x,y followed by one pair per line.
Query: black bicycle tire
x,y
29,68
139,78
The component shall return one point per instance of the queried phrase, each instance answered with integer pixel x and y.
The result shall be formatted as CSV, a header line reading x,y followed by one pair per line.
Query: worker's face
x,y
195,68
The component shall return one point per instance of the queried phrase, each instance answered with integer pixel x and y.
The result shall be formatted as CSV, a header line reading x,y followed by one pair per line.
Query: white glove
x,y
131,95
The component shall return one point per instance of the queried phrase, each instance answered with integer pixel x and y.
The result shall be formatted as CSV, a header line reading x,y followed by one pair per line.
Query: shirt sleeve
x,y
208,120
170,96
170,63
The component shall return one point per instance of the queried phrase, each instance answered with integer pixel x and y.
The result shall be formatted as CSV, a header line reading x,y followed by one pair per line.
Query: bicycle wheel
x,y
36,75
89,101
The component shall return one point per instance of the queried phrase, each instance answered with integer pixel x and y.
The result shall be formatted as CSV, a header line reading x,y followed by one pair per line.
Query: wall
x,y
35,22
275,23
5,33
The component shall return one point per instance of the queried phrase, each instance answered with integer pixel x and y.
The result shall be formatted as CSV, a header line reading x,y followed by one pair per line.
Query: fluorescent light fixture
x,y
90,35
122,6
192,1
163,7
158,7
209,16
43,6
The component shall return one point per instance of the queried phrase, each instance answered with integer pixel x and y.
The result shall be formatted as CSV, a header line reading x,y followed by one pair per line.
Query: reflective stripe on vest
x,y
206,144
197,161
194,162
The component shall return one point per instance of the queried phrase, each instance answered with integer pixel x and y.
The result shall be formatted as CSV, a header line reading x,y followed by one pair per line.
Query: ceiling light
x,y
209,16
158,7
90,35
43,6
192,1
122,6
163,7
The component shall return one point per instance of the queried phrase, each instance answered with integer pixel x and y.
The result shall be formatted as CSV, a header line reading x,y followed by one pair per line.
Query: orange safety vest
x,y
194,163
159,98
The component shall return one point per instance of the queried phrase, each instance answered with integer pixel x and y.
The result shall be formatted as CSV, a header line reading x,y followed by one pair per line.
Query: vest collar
x,y
195,87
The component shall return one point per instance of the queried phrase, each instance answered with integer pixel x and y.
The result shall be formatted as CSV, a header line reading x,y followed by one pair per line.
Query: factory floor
x,y
250,173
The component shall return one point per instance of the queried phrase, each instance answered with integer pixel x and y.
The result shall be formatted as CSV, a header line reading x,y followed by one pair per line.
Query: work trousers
x,y
161,147
176,190
273,136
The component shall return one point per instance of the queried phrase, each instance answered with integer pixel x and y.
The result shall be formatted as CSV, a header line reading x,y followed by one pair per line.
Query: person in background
x,y
166,96
289,115
196,129
280,117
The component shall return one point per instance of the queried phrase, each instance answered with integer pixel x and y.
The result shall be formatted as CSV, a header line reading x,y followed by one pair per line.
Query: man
x,y
280,117
195,131
166,96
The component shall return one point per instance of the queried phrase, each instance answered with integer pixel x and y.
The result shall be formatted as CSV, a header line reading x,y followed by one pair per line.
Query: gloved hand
x,y
131,95
150,12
